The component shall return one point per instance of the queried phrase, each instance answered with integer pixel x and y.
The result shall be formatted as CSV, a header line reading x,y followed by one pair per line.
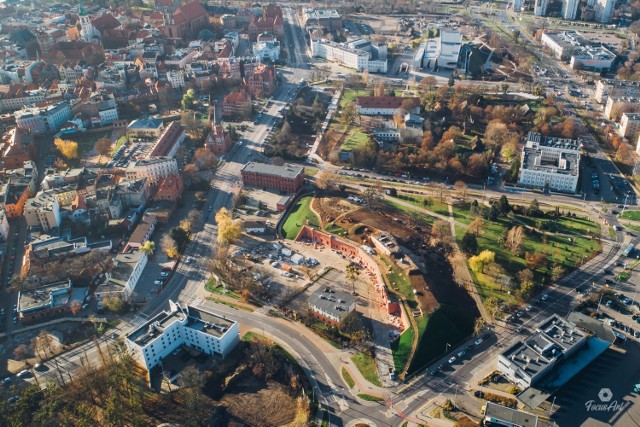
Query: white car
x,y
188,260
452,360
478,341
164,274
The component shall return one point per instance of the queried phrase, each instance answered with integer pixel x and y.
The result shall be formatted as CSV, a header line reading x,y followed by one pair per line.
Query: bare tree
x,y
515,238
326,179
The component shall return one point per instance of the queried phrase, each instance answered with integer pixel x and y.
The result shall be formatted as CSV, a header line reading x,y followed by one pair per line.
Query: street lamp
x,y
447,347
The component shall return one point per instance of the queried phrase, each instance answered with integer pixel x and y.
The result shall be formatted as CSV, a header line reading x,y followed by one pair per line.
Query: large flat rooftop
x,y
45,297
288,171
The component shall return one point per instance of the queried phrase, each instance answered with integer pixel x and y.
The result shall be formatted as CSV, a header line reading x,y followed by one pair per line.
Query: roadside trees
x,y
229,230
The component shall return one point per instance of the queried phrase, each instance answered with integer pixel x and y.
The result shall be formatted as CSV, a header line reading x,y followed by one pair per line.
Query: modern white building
x,y
124,274
581,53
43,211
552,162
191,327
540,7
154,169
630,125
386,105
4,226
358,59
527,361
440,52
604,10
267,50
570,9
44,120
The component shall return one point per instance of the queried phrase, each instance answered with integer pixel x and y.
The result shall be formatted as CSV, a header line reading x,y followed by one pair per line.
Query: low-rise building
x,y
169,141
124,275
328,19
262,82
189,326
255,227
4,226
581,53
48,300
145,128
170,188
142,233
286,179
386,105
154,169
552,162
527,361
267,50
360,59
330,306
43,211
499,415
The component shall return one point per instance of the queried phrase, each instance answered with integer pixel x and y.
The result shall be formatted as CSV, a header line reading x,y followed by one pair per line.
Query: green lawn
x,y
447,325
310,171
347,378
356,139
119,144
350,94
370,398
86,141
298,216
367,367
632,215
401,348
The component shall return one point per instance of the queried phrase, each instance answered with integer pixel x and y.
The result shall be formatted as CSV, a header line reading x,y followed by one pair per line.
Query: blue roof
x,y
145,123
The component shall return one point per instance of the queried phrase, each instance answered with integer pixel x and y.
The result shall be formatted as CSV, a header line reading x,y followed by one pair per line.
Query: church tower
x,y
87,26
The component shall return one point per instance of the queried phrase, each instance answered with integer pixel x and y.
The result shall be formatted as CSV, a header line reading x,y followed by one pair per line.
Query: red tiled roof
x,y
385,101
190,11
106,22
237,97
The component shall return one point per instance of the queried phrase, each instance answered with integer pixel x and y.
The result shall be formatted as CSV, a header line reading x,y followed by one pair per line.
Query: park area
x,y
441,313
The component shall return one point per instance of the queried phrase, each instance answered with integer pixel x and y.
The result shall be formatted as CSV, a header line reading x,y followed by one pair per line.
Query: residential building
x,y
14,195
53,249
42,120
527,361
630,125
570,9
255,227
540,7
43,210
101,107
328,19
19,95
617,105
142,233
48,300
616,88
499,415
16,147
124,275
4,226
386,105
552,162
330,306
146,128
170,188
191,327
262,82
390,135
358,59
604,10
286,179
54,178
176,79
237,105
581,53
169,141
154,169
131,193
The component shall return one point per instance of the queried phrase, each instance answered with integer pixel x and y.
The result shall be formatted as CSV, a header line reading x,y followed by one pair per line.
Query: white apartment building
x,y
4,226
630,125
604,10
124,275
615,106
570,9
108,116
154,169
191,327
44,120
553,162
176,79
616,88
43,211
29,97
527,361
540,7
357,59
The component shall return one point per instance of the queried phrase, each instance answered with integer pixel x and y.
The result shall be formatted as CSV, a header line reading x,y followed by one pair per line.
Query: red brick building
x,y
170,188
262,82
218,141
187,21
236,105
286,179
